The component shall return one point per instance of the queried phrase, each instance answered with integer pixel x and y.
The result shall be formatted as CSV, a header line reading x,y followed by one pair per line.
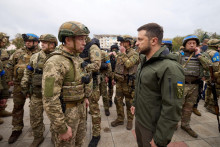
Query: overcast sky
x,y
178,17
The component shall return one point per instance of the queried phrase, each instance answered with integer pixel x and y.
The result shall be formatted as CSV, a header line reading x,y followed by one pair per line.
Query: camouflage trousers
x,y
123,90
209,100
190,94
95,111
75,118
104,93
3,107
36,116
18,110
110,89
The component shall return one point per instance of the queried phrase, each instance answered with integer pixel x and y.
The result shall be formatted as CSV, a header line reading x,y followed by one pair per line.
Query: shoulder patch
x,y
97,54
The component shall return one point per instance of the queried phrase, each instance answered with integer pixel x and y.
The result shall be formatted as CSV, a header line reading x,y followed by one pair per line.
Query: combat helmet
x,y
190,37
214,43
114,46
125,38
3,37
72,28
49,38
30,36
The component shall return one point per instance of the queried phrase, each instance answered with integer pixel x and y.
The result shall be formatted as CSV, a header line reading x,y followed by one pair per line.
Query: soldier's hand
x,y
153,143
84,64
122,49
106,79
87,102
66,136
11,83
197,50
3,102
132,110
113,82
114,53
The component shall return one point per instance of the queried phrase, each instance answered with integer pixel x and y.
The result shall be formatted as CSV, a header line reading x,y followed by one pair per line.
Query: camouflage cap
x,y
72,28
3,37
214,42
49,38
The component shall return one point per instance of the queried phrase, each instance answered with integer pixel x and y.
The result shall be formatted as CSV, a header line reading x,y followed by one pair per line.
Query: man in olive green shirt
x,y
158,89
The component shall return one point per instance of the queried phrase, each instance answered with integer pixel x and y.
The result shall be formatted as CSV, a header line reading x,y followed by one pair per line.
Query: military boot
x,y
107,113
1,121
4,113
196,111
14,136
129,125
211,109
94,142
117,123
1,137
190,131
37,142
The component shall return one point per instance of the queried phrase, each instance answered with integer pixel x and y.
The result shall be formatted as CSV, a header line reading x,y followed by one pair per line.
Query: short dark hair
x,y
153,30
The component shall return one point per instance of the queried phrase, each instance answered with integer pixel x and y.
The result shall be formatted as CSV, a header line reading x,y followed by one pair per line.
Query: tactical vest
x,y
192,68
85,53
20,66
73,89
120,67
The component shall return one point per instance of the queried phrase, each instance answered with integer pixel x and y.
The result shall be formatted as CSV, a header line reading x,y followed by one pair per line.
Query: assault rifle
x,y
214,95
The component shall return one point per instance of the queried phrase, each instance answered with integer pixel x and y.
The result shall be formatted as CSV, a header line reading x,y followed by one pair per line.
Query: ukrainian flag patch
x,y
179,83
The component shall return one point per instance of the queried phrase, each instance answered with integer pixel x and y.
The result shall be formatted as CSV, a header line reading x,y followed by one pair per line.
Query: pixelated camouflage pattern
x,y
3,85
49,38
76,119
4,57
214,43
15,67
130,61
18,62
72,28
105,58
36,116
95,58
190,95
36,62
58,68
3,37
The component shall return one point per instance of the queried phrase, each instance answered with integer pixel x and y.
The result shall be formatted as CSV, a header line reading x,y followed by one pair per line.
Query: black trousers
x,y
143,135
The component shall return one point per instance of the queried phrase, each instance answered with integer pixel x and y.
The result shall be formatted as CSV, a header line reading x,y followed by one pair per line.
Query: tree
x,y
177,42
18,41
200,34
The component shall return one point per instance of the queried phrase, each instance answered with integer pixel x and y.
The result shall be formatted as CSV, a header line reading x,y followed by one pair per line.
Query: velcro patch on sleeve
x,y
49,86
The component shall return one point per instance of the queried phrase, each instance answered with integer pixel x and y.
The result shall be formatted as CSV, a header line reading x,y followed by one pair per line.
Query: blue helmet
x,y
167,41
30,36
190,37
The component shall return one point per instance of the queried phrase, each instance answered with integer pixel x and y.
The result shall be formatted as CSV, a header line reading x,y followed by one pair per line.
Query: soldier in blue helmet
x,y
15,67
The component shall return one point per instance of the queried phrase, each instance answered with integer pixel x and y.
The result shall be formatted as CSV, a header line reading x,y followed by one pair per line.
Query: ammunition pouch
x,y
73,91
19,72
36,80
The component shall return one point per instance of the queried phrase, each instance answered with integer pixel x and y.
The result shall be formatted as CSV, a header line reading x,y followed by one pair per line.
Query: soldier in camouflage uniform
x,y
213,45
4,94
194,63
105,72
126,67
113,55
65,87
4,56
92,63
16,65
31,83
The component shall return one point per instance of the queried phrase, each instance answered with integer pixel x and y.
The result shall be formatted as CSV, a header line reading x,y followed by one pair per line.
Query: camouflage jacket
x,y
35,65
18,62
56,69
3,85
95,59
106,59
126,64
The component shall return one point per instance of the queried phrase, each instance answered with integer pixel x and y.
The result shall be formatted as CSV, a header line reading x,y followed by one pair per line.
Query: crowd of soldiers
x,y
67,79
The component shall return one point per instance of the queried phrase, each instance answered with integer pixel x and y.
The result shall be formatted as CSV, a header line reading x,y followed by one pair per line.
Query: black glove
x,y
84,64
86,79
104,66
